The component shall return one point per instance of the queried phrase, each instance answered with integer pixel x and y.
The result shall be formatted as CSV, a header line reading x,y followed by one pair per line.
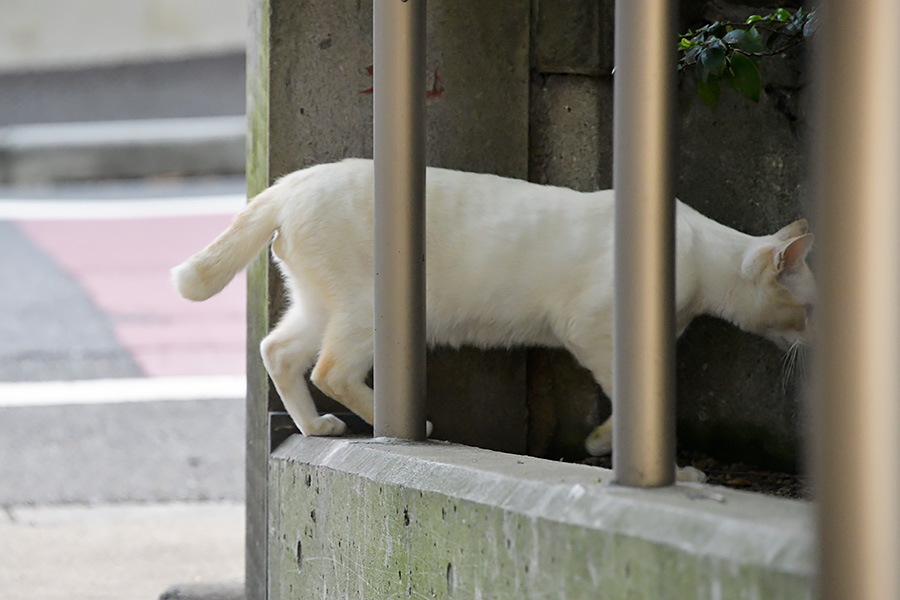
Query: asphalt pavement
x,y
121,405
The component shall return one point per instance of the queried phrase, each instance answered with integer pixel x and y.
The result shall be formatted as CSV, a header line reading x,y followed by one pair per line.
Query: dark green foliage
x,y
723,51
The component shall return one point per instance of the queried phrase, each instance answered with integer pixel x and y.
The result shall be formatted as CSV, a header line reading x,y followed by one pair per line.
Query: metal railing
x,y
399,152
644,329
857,390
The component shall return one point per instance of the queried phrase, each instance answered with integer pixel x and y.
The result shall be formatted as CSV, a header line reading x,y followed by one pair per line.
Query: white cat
x,y
509,263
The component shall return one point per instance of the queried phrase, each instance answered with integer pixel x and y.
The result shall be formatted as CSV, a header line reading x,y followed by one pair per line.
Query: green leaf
x,y
709,91
692,54
782,14
735,37
752,42
713,58
811,25
745,78
754,19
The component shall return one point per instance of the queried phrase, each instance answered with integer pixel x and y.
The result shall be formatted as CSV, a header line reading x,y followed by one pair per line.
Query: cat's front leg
x,y
689,475
599,441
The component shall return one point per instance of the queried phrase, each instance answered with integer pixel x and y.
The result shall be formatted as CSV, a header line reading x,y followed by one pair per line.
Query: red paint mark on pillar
x,y
436,91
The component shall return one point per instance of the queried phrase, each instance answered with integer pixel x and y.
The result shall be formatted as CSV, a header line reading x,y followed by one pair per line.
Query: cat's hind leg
x,y
345,360
287,352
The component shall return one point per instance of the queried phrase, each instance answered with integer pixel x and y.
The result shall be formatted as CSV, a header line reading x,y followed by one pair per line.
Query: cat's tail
x,y
207,272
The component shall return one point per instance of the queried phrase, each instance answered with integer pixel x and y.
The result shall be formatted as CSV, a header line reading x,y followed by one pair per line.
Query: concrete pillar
x,y
309,101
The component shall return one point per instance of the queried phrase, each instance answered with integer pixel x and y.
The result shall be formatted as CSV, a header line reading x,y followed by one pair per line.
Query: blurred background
x,y
121,405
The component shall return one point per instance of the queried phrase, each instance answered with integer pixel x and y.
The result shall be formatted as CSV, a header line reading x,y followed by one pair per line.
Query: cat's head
x,y
782,289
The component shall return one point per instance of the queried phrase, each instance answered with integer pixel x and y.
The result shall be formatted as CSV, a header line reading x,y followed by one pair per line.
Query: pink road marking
x,y
124,266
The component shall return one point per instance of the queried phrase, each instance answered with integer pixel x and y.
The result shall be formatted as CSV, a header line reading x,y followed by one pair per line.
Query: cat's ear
x,y
794,230
792,253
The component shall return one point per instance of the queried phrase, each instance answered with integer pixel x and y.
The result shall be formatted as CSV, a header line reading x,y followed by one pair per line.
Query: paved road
x,y
92,297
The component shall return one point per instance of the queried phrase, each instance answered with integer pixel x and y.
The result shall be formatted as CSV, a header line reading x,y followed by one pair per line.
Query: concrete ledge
x,y
120,149
375,519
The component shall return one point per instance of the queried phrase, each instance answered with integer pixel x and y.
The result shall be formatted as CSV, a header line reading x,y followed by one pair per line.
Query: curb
x,y
205,591
45,153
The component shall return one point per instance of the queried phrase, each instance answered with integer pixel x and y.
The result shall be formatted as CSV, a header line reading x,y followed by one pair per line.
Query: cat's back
x,y
343,191
464,210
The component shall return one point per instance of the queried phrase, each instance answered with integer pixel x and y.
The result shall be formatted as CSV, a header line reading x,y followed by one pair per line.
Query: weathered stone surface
x,y
477,107
477,398
571,131
446,521
564,405
477,114
574,36
259,395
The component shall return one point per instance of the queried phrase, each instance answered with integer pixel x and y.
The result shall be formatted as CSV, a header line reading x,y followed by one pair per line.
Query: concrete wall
x,y
444,521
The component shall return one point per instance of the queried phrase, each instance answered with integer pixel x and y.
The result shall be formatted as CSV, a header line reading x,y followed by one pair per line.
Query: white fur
x,y
509,263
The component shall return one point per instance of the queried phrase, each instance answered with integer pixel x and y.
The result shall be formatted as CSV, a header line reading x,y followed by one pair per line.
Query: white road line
x,y
15,209
112,391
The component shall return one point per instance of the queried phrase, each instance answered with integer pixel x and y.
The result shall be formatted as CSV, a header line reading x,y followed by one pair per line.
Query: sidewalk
x,y
119,552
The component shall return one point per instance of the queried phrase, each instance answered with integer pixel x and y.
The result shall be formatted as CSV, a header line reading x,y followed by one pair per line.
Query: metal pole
x,y
399,150
644,334
857,390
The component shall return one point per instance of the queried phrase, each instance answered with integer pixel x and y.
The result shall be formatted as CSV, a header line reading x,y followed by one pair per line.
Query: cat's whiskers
x,y
792,364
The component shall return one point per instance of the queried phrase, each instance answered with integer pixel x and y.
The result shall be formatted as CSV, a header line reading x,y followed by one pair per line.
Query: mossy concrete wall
x,y
373,519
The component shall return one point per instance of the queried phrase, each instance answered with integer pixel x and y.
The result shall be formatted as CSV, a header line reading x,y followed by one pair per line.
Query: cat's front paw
x,y
599,442
325,425
690,475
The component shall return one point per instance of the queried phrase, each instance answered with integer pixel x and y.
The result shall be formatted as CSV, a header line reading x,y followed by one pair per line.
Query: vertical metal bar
x,y
857,391
644,334
399,149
